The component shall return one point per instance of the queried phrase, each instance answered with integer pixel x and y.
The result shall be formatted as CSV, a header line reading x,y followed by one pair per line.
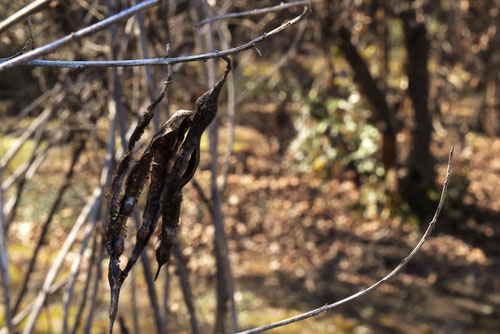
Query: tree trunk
x,y
421,173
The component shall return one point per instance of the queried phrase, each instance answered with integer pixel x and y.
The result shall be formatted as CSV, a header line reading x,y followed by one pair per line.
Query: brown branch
x,y
390,275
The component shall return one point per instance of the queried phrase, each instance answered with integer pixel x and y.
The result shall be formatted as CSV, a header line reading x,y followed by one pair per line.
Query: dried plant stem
x,y
95,288
4,263
45,227
148,277
153,61
185,287
22,13
23,175
104,181
20,172
225,284
225,37
18,318
30,26
61,256
101,25
88,277
133,298
75,270
390,275
37,123
149,78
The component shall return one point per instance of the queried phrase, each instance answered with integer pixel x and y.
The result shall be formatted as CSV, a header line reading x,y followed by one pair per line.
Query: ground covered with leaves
x,y
298,241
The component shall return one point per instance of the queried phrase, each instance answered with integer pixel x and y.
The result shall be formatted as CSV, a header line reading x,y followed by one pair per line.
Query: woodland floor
x,y
298,242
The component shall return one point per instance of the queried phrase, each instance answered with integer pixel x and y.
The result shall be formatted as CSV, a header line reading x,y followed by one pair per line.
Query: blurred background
x,y
324,166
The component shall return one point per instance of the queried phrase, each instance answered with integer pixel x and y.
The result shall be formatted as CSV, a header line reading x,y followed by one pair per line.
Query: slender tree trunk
x,y
383,115
421,173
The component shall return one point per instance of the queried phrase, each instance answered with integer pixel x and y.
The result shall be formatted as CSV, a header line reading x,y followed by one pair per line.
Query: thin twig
x,y
225,37
185,287
83,301
390,275
153,61
18,318
202,195
149,78
75,270
101,25
231,109
105,178
115,81
45,227
39,122
148,277
4,263
59,261
22,13
30,26
220,245
259,11
133,299
20,171
95,288
29,165
282,61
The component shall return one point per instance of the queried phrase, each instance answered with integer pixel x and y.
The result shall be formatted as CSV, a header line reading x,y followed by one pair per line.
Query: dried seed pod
x,y
171,208
185,167
121,207
164,148
205,111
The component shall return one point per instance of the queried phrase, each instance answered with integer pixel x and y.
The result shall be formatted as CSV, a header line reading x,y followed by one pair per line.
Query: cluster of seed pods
x,y
170,161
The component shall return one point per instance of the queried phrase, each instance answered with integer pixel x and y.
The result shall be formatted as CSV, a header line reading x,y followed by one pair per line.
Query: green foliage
x,y
341,136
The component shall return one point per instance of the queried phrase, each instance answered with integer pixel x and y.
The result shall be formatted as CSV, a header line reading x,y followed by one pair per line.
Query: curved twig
x,y
373,287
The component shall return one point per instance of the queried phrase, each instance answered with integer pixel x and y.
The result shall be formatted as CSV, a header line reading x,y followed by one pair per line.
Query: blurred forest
x,y
318,176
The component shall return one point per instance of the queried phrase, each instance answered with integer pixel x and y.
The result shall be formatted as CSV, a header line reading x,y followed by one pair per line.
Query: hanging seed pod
x,y
163,150
185,167
122,206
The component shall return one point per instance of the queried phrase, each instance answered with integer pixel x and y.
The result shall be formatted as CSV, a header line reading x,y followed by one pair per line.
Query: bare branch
x,y
390,275
21,14
143,62
254,12
101,25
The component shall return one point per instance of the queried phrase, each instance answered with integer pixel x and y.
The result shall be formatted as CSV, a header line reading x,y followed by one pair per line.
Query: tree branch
x,y
390,275
22,60
32,8
254,12
101,25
